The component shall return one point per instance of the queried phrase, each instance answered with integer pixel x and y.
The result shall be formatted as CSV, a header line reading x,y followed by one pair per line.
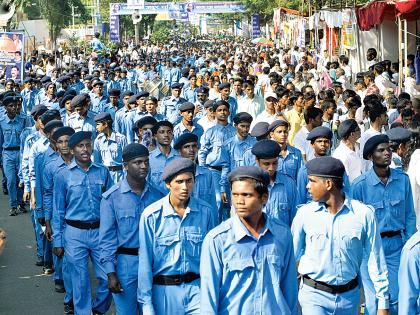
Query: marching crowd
x,y
254,180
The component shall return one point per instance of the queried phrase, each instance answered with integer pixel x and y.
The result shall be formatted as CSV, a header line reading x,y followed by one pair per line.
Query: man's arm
x,y
59,207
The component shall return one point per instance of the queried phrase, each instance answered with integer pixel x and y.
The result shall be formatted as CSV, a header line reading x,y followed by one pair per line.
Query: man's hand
x,y
21,185
224,197
113,283
382,312
33,201
48,231
26,196
41,221
58,251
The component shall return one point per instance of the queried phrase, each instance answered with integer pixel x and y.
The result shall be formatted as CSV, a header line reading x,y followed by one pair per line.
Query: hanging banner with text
x,y
11,55
114,28
256,32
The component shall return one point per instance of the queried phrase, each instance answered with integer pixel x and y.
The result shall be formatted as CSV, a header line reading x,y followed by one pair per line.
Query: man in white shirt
x,y
313,118
269,113
347,152
380,80
252,104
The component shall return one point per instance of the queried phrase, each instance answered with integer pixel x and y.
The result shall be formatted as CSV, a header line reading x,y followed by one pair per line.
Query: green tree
x,y
58,14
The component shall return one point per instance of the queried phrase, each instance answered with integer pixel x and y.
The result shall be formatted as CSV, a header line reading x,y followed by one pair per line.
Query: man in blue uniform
x,y
171,234
98,99
409,277
204,185
170,104
247,262
78,190
388,191
187,124
399,138
121,122
282,190
121,208
114,104
82,119
108,146
331,236
11,126
224,89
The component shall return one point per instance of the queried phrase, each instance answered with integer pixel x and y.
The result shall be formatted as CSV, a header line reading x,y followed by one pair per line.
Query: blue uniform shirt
x,y
98,103
205,186
393,202
109,151
180,129
282,199
52,167
170,244
409,277
170,108
123,124
330,247
79,123
77,196
121,209
241,274
10,130
211,144
28,100
112,110
291,164
158,161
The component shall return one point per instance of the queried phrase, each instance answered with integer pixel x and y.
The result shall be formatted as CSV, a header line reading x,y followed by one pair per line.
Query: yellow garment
x,y
296,121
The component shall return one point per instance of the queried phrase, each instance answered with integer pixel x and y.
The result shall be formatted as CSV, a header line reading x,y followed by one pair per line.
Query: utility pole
x,y
72,17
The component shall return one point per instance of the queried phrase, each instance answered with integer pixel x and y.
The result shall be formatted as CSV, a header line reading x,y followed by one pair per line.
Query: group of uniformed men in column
x,y
179,217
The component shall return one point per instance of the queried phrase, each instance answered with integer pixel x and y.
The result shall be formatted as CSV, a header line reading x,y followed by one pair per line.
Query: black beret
x,y
260,129
97,82
186,106
177,86
88,78
68,131
134,150
266,149
242,117
79,136
51,114
127,93
320,132
277,123
346,128
160,124
224,86
185,138
146,120
133,99
372,143
60,93
103,116
325,166
62,78
65,99
117,69
177,166
209,103
142,94
202,89
28,80
49,126
38,110
151,98
45,79
114,92
185,71
399,134
252,172
79,100
70,92
11,99
218,103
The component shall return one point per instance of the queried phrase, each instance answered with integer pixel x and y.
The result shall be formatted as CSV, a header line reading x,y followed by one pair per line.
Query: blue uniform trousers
x,y
127,273
392,249
11,168
79,245
221,208
179,299
61,273
39,235
317,302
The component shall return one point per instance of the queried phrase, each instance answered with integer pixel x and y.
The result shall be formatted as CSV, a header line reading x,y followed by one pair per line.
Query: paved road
x,y
24,290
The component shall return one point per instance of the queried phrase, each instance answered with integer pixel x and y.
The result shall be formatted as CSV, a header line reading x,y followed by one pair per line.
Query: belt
x,y
332,289
83,225
175,279
390,234
128,251
12,149
217,168
115,168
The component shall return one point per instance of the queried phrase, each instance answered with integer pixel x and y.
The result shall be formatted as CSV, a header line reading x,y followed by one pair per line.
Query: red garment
x,y
371,15
372,89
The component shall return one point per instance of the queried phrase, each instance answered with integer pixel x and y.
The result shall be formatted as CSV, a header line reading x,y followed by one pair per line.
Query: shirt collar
x,y
240,231
347,204
168,210
73,164
125,187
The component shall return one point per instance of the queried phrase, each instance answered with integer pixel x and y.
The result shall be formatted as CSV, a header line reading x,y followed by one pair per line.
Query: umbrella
x,y
261,41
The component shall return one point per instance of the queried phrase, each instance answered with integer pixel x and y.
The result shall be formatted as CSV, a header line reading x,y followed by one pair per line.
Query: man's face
x,y
381,156
270,104
321,146
243,129
189,151
51,89
176,92
269,165
237,87
225,92
88,84
138,168
249,91
12,109
280,134
187,115
317,121
193,81
222,113
245,199
68,106
181,186
81,110
62,145
125,100
101,126
82,151
317,188
408,121
99,89
202,97
113,99
150,107
164,135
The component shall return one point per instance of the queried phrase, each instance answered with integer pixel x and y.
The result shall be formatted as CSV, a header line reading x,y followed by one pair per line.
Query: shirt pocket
x,y
239,265
193,244
379,210
165,247
317,241
127,220
397,210
352,240
275,265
